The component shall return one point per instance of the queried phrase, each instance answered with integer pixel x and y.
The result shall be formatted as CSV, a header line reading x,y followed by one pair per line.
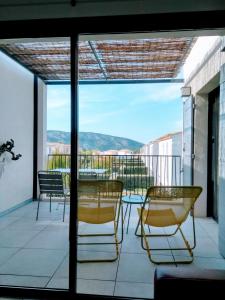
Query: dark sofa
x,y
188,283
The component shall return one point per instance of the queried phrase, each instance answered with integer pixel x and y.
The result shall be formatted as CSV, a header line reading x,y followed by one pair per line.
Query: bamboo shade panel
x,y
104,60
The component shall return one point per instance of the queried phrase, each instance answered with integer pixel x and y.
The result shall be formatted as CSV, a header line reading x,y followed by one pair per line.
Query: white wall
x,y
42,125
16,122
199,50
203,80
201,152
165,147
177,144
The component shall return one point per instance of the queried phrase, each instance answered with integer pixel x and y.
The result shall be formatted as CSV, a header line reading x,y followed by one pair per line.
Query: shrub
x,y
135,170
134,182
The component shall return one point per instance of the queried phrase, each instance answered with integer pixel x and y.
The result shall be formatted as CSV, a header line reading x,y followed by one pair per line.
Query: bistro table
x,y
88,171
129,200
67,170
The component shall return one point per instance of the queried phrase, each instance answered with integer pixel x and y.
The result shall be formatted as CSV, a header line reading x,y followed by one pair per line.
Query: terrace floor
x,y
35,253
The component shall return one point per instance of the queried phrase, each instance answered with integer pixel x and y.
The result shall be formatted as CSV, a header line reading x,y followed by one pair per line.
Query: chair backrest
x,y
99,201
169,205
87,175
50,182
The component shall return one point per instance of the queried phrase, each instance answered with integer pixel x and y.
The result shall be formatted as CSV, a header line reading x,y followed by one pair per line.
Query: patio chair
x,y
99,202
166,206
51,185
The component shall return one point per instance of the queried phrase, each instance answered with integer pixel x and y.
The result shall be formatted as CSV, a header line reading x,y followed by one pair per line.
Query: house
x,y
165,153
54,148
168,144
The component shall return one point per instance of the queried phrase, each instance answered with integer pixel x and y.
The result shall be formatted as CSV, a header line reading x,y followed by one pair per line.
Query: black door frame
x,y
210,195
72,27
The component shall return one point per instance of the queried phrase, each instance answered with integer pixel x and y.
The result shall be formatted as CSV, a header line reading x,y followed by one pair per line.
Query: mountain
x,y
94,141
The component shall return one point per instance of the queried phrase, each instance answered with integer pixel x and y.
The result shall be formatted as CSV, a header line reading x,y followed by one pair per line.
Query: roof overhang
x,y
104,61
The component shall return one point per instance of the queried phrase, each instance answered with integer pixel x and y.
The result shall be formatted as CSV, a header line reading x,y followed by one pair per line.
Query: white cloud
x,y
161,94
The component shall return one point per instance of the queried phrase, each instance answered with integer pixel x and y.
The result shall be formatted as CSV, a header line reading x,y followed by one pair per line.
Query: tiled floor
x,y
35,253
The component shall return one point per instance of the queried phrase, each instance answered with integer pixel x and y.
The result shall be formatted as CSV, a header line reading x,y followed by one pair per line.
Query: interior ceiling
x,y
106,60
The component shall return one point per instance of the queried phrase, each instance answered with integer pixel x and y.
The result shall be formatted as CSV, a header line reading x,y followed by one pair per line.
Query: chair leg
x,y
116,243
64,208
116,240
39,199
149,249
50,203
107,259
138,224
194,234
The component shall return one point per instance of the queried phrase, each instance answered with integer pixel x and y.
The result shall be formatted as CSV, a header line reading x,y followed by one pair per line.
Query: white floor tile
x,y
134,290
95,287
33,262
26,281
135,268
100,271
58,283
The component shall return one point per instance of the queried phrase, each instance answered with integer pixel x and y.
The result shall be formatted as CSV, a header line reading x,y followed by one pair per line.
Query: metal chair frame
x,y
51,184
144,236
115,223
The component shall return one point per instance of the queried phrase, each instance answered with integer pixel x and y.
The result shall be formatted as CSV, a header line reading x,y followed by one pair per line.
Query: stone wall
x,y
221,169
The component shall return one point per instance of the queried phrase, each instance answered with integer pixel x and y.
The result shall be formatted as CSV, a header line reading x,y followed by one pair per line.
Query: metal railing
x,y
137,172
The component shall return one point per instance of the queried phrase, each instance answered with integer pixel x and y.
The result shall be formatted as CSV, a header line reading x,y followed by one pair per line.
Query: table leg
x,y
125,213
128,221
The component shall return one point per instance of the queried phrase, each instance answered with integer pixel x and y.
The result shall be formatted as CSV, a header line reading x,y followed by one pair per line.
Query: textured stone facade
x,y
221,169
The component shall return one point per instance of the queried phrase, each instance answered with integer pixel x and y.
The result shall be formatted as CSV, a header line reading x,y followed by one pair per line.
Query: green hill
x,y
94,141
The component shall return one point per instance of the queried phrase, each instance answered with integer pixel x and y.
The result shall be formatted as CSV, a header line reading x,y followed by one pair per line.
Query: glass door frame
x,y
146,23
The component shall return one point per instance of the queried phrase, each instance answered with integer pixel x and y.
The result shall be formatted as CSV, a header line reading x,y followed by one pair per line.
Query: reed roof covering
x,y
155,58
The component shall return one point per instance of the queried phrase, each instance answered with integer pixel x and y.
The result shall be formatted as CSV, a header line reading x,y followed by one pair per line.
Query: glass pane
x,y
34,236
131,131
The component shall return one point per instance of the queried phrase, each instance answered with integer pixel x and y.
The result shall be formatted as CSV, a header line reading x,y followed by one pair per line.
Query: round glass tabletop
x,y
133,199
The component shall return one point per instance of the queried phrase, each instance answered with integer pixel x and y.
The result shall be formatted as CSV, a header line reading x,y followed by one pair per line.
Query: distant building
x,y
117,152
163,158
58,148
109,152
125,152
169,144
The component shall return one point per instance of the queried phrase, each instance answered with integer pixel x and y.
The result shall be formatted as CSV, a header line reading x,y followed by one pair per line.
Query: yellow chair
x,y
167,206
99,202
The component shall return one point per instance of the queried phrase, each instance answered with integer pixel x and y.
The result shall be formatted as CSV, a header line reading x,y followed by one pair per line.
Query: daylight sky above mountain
x,y
141,112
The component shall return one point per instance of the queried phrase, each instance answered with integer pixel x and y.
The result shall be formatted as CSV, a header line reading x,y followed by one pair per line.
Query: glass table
x,y
129,200
67,170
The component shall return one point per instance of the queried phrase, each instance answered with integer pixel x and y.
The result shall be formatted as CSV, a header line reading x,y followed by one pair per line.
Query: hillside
x,y
94,141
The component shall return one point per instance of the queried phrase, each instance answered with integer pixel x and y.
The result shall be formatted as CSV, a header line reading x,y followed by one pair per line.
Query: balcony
x,y
35,253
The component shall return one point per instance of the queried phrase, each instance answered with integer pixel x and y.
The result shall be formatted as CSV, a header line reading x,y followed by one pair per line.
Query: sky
x,y
142,112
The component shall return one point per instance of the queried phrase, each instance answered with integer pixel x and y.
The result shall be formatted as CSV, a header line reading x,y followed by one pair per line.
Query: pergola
x,y
103,61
